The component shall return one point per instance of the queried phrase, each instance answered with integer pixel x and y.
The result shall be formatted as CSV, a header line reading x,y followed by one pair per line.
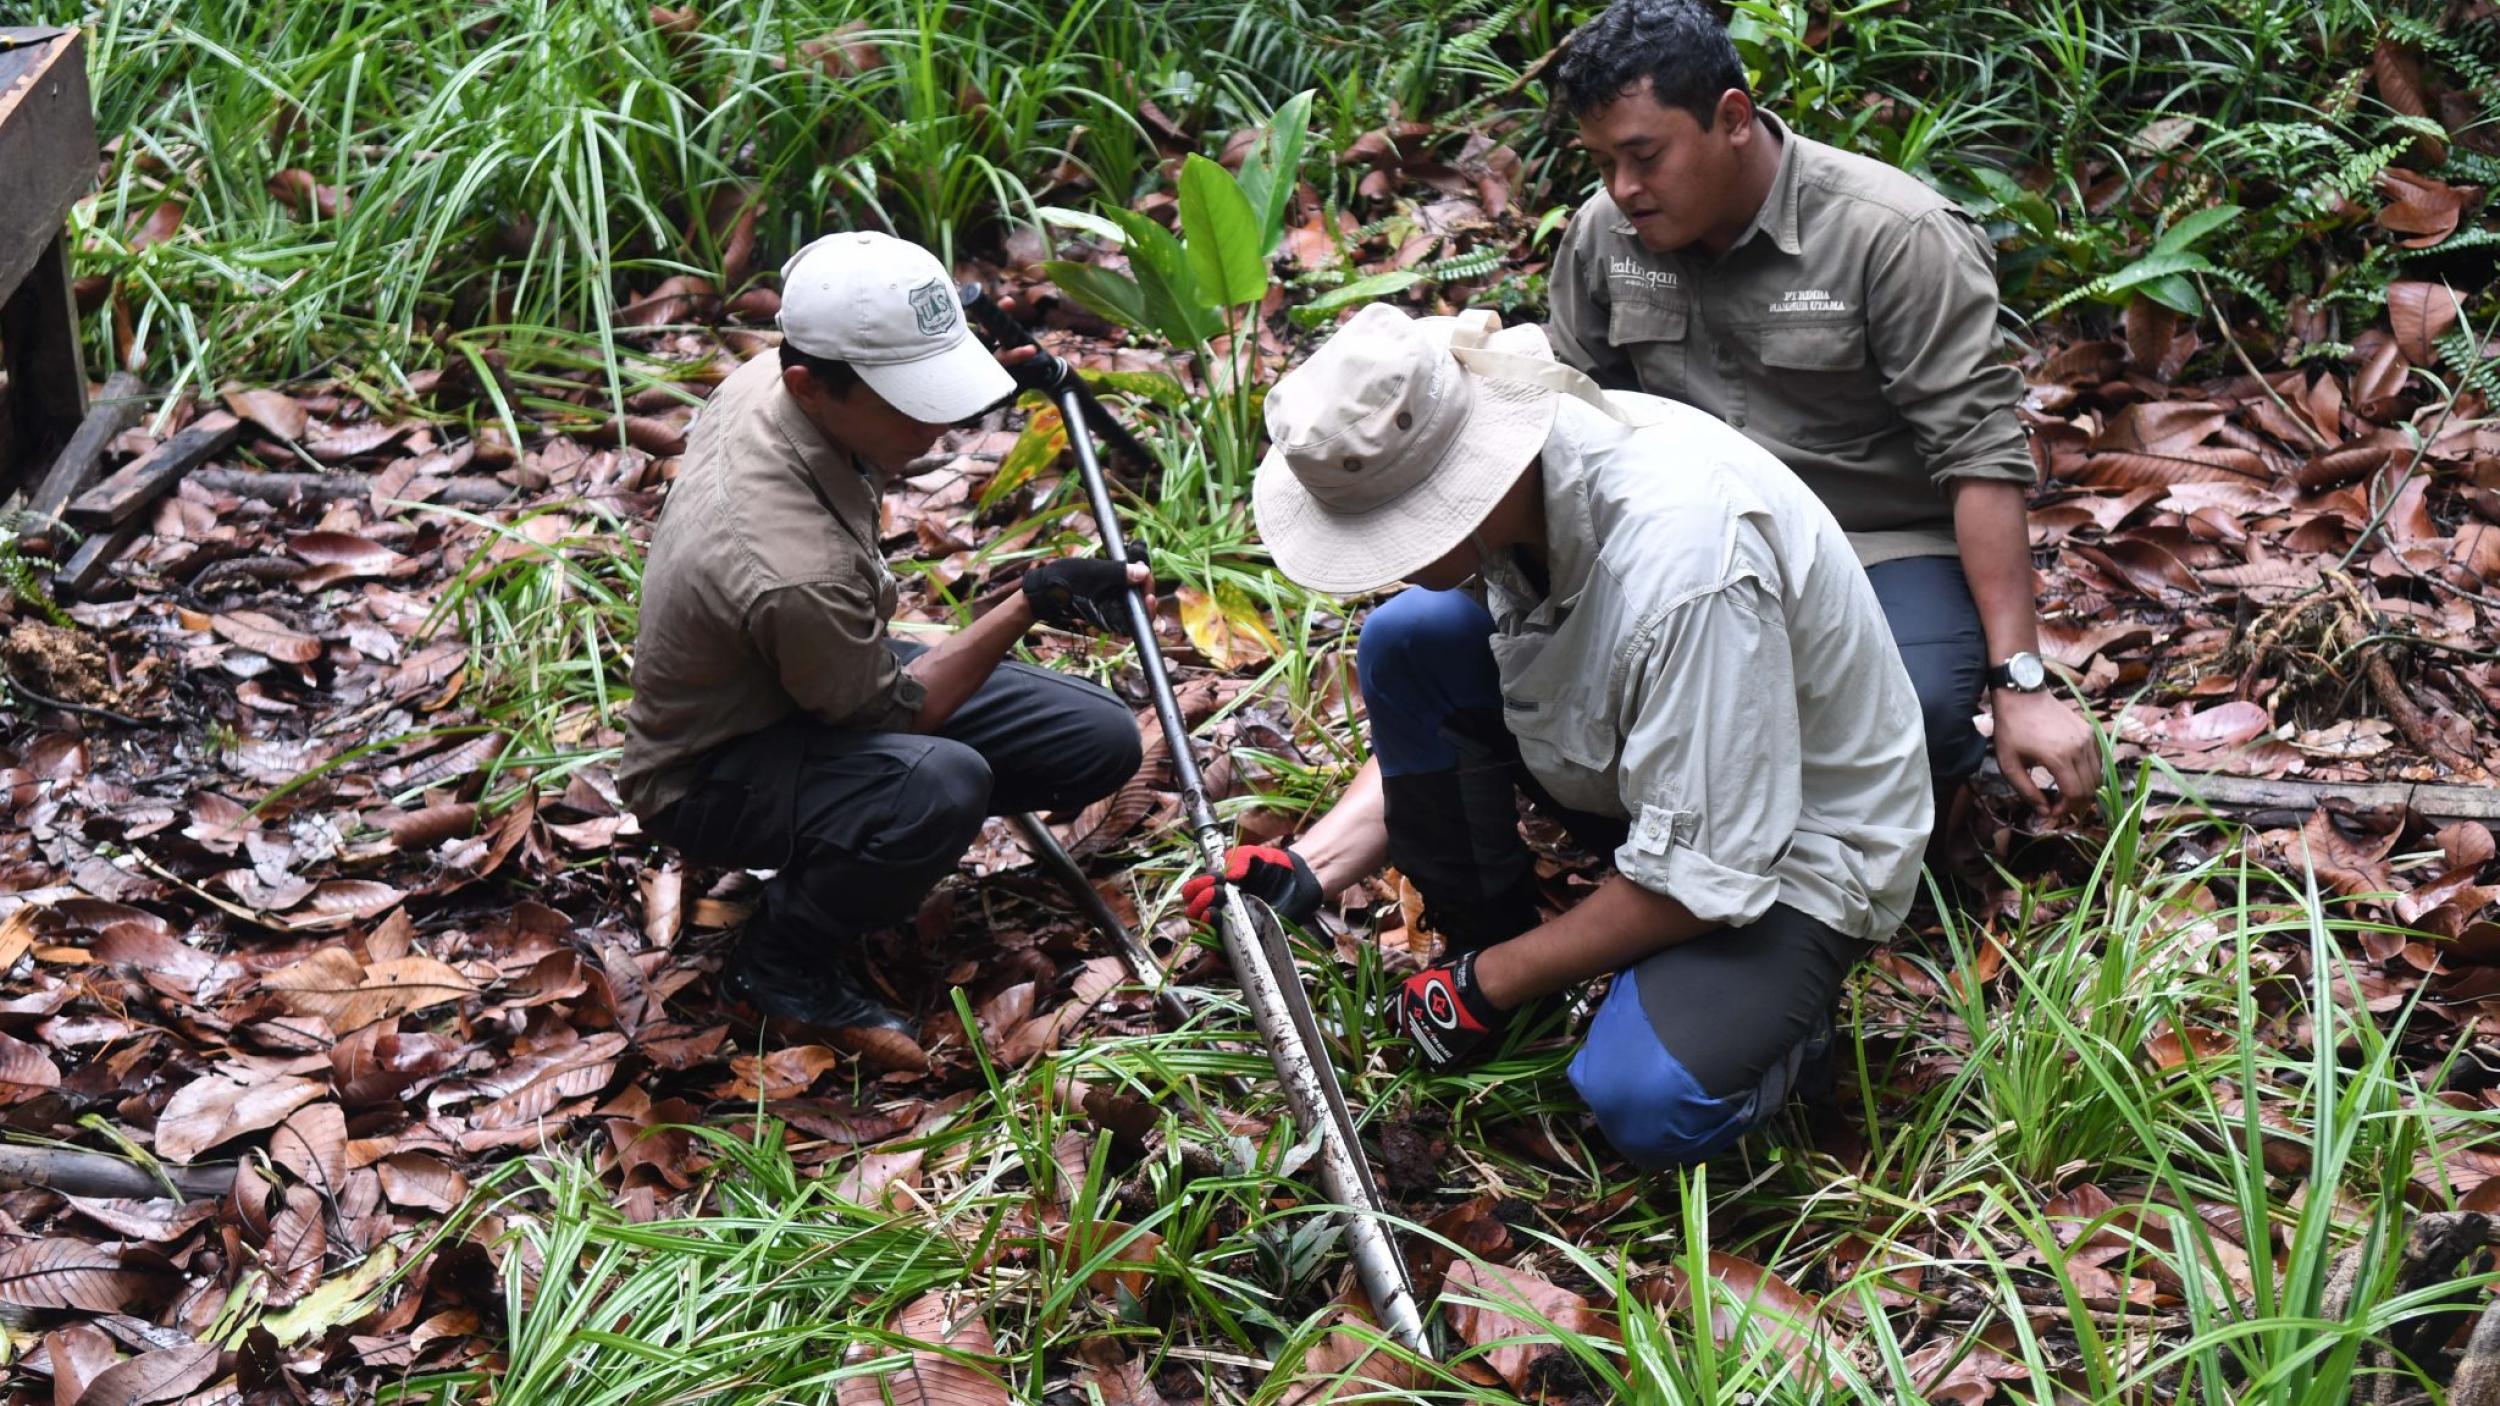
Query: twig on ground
x,y
2316,440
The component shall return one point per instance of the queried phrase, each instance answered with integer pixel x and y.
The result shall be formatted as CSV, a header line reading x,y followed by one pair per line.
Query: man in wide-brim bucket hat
x,y
1668,644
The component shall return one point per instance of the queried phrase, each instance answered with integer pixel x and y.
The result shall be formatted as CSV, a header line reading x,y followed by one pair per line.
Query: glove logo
x,y
1440,1006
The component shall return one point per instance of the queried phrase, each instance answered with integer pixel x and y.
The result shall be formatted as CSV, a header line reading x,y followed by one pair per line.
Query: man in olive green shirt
x,y
776,723
1843,316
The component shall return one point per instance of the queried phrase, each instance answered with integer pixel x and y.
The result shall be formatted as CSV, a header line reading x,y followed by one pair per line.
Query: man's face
x,y
1675,181
861,421
1452,570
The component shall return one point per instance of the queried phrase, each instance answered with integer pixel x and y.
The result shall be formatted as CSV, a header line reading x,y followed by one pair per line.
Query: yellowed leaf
x,y
1227,627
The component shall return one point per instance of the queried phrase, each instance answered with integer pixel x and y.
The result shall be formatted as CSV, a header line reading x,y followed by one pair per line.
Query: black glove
x,y
1272,874
1079,593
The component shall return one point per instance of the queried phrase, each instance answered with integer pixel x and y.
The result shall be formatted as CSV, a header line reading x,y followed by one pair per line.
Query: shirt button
x,y
1737,420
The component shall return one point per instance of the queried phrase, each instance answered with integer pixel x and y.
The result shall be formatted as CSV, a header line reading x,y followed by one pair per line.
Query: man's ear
x,y
1734,116
798,383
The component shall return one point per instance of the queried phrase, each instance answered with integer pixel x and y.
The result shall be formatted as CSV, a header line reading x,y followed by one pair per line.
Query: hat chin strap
x,y
1471,345
1535,371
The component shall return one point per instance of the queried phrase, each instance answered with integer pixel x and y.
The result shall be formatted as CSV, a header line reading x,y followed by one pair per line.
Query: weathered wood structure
x,y
47,162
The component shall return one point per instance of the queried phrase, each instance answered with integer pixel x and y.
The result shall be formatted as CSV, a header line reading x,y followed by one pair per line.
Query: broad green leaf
x,y
1044,439
1273,165
1361,290
2195,225
2024,206
1153,386
1107,295
2176,292
1223,248
1226,626
2156,266
1174,311
1085,220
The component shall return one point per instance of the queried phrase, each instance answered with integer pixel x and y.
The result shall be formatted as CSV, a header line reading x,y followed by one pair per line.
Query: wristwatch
x,y
2023,673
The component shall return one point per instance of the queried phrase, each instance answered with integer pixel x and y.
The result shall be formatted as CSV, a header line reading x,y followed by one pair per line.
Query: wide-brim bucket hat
x,y
1395,440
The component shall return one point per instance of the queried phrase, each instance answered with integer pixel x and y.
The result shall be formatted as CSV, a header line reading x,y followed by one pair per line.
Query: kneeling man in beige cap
x,y
1641,619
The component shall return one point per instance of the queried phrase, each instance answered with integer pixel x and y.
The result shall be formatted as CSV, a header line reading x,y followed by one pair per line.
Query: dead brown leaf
x,y
166,1374
1510,1304
61,1273
263,634
950,1344
2420,206
224,1105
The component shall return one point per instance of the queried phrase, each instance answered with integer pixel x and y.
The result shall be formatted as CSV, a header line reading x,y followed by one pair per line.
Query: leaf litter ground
x,y
306,916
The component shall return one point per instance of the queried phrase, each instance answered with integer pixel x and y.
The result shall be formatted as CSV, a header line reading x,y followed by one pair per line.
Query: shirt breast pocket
x,y
1822,390
1651,333
1565,732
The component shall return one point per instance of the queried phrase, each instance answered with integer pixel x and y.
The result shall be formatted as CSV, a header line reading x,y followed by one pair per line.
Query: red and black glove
x,y
1445,1013
1272,874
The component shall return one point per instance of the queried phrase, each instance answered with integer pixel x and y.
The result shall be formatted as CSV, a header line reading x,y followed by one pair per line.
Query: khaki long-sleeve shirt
x,y
1850,330
764,593
1709,662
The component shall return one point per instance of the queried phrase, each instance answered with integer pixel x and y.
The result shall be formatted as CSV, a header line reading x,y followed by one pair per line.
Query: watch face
x,y
2026,671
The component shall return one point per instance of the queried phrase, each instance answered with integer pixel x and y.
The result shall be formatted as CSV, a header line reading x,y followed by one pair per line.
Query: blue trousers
x,y
1694,1046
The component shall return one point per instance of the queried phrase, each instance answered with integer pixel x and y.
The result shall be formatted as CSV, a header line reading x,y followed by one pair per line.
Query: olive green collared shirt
x,y
764,594
1850,330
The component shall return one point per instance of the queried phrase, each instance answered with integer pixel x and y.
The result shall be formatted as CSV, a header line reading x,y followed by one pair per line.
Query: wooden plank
x,y
93,557
473,492
2294,796
114,411
47,144
143,480
39,342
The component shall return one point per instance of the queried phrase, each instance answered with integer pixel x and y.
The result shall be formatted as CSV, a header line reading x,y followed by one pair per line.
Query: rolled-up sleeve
x,y
1931,314
1710,770
1576,320
826,643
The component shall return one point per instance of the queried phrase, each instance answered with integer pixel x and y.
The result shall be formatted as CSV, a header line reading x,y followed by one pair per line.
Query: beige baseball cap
x,y
887,308
1389,448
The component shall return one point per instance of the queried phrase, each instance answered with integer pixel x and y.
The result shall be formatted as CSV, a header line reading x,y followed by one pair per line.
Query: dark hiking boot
x,y
807,998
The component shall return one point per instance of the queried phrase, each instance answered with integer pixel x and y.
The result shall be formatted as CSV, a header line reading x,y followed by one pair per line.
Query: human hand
x,y
1272,874
1033,368
1086,593
2043,730
1445,1014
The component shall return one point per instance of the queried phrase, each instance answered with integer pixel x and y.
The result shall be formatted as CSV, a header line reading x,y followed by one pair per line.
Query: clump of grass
x,y
548,605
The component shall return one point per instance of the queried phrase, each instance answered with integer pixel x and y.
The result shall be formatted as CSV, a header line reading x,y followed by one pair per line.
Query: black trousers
x,y
860,825
1935,624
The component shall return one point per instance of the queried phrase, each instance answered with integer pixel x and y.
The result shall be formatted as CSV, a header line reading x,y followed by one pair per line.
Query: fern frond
x,y
2249,288
1473,264
2464,239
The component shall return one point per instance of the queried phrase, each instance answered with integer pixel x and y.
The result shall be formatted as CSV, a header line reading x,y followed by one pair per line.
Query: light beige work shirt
x,y
764,593
1850,330
1709,663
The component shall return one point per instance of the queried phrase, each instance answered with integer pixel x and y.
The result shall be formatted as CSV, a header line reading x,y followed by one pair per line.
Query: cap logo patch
x,y
934,305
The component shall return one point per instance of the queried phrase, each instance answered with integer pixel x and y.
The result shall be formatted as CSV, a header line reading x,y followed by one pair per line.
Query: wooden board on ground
x,y
111,413
143,480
